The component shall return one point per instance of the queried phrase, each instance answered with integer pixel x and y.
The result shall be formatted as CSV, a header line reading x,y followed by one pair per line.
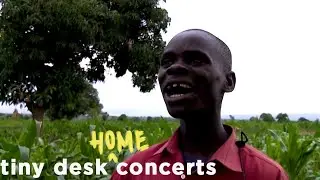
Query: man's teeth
x,y
185,85
181,85
176,95
175,85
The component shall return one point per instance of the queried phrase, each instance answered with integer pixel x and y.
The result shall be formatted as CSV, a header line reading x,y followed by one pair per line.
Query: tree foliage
x,y
43,42
267,117
253,118
283,117
122,117
105,116
303,119
84,102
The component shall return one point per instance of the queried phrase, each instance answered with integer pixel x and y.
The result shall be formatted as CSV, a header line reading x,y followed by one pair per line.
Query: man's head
x,y
195,72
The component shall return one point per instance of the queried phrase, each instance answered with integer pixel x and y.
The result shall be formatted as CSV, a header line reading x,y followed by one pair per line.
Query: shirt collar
x,y
227,154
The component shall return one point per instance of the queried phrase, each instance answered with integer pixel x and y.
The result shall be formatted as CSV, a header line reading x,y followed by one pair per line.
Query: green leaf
x,y
28,138
60,178
278,138
24,153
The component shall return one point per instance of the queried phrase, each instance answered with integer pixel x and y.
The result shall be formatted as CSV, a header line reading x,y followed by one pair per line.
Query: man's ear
x,y
230,82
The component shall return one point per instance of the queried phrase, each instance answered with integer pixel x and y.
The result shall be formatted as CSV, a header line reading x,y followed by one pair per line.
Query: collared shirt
x,y
254,165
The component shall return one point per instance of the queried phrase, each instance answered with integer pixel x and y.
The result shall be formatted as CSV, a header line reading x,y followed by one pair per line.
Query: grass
x,y
294,145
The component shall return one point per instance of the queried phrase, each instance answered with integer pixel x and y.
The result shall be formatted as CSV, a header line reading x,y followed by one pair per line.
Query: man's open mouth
x,y
175,90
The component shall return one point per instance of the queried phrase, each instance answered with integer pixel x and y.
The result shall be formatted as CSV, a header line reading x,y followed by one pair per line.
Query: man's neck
x,y
202,134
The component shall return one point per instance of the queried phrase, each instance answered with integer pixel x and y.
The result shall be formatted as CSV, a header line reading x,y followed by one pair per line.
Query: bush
x,y
122,117
105,116
253,118
267,117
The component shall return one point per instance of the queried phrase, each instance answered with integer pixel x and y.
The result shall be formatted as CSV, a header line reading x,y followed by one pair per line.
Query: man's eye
x,y
195,58
196,62
166,62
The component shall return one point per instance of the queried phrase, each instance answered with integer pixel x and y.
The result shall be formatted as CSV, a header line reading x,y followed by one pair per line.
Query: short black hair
x,y
223,49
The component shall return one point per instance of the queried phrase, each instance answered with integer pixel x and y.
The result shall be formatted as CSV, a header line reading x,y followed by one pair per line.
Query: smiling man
x,y
195,73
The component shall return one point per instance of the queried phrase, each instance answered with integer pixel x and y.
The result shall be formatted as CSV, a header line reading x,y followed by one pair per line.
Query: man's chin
x,y
179,112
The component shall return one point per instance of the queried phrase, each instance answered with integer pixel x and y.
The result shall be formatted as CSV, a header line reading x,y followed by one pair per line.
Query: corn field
x,y
295,145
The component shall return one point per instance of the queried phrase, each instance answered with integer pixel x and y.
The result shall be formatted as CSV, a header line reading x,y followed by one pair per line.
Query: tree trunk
x,y
37,115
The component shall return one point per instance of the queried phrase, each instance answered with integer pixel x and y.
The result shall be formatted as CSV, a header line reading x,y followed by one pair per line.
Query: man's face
x,y
191,75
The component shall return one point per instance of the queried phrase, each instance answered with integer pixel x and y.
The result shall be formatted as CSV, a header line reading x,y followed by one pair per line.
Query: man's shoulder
x,y
266,164
262,158
145,155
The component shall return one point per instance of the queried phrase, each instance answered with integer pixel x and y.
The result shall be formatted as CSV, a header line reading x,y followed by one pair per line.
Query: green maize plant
x,y
295,145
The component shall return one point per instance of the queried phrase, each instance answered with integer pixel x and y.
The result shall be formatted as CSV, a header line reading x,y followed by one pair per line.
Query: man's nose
x,y
178,68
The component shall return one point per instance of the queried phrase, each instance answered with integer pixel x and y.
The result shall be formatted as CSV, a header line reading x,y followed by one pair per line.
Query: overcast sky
x,y
275,47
